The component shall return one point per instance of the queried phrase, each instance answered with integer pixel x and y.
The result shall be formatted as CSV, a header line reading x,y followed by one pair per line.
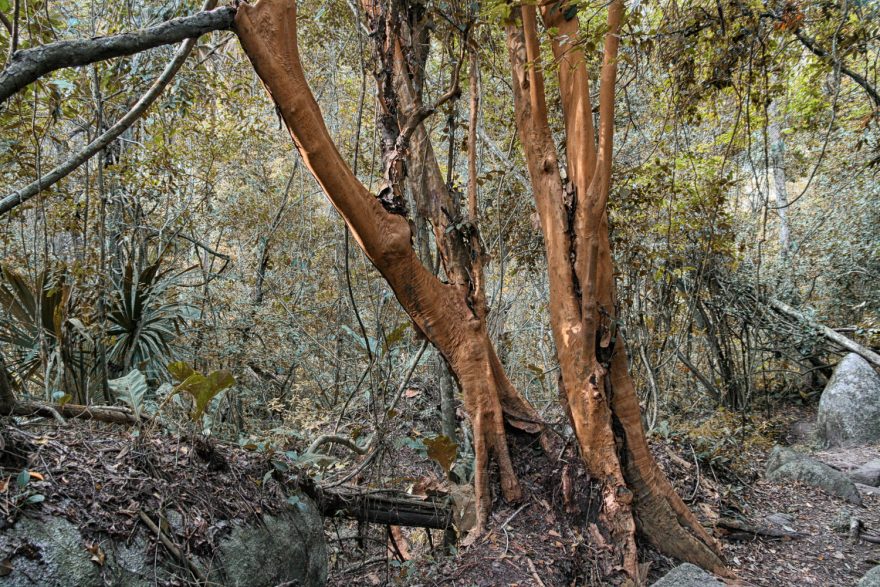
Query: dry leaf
x,y
35,475
411,393
443,450
98,555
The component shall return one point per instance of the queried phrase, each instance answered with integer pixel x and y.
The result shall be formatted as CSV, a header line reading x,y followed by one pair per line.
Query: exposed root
x,y
660,513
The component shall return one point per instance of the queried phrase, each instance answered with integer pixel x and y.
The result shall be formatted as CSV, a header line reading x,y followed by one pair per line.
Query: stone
x,y
784,521
282,549
285,549
867,474
47,552
841,520
849,409
867,489
688,575
871,578
786,465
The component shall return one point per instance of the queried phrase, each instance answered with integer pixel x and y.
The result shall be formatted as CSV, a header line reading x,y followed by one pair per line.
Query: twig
x,y
534,571
514,514
178,554
100,143
332,438
697,484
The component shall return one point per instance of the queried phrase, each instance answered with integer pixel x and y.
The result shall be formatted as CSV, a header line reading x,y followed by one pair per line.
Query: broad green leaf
x,y
180,370
23,478
131,389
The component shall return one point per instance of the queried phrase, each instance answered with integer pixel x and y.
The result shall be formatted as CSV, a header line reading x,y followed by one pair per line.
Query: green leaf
x,y
180,370
204,389
23,478
35,498
131,389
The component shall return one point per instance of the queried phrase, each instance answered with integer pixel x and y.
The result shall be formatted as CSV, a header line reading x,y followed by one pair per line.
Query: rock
x,y
840,522
780,519
802,432
871,578
284,549
867,474
688,575
786,464
867,489
784,521
849,410
47,552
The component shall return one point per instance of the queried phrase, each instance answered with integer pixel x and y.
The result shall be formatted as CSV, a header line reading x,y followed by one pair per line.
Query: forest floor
x,y
102,473
537,542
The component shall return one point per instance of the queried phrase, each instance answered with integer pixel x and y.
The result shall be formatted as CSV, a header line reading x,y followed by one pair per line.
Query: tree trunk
x,y
777,168
597,388
443,312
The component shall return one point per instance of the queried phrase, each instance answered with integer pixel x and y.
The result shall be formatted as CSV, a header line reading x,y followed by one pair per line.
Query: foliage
x,y
131,390
203,389
48,343
143,320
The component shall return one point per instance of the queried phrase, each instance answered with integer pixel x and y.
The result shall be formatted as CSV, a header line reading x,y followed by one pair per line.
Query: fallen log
x,y
738,530
381,506
831,335
111,414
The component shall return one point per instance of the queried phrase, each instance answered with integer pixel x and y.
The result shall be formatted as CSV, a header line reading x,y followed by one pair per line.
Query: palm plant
x,y
46,344
143,318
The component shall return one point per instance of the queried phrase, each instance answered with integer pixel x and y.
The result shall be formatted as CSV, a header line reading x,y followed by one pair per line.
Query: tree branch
x,y
823,54
29,65
63,170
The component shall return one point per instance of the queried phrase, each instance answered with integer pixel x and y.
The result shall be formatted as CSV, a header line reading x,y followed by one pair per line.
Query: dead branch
x,y
26,67
738,530
831,335
110,414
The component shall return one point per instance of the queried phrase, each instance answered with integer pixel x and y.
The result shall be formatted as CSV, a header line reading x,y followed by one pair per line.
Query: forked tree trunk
x,y
597,388
443,312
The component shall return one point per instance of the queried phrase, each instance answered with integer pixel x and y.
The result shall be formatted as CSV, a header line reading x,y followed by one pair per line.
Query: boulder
x,y
282,549
688,575
786,464
867,474
285,549
849,410
871,578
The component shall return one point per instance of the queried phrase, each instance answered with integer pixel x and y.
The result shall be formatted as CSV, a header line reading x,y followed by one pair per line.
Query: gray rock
x,y
47,552
849,410
287,548
51,552
841,520
867,489
867,474
688,575
871,578
784,521
786,464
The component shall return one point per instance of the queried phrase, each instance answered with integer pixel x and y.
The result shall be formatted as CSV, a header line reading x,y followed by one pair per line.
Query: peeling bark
x,y
597,389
